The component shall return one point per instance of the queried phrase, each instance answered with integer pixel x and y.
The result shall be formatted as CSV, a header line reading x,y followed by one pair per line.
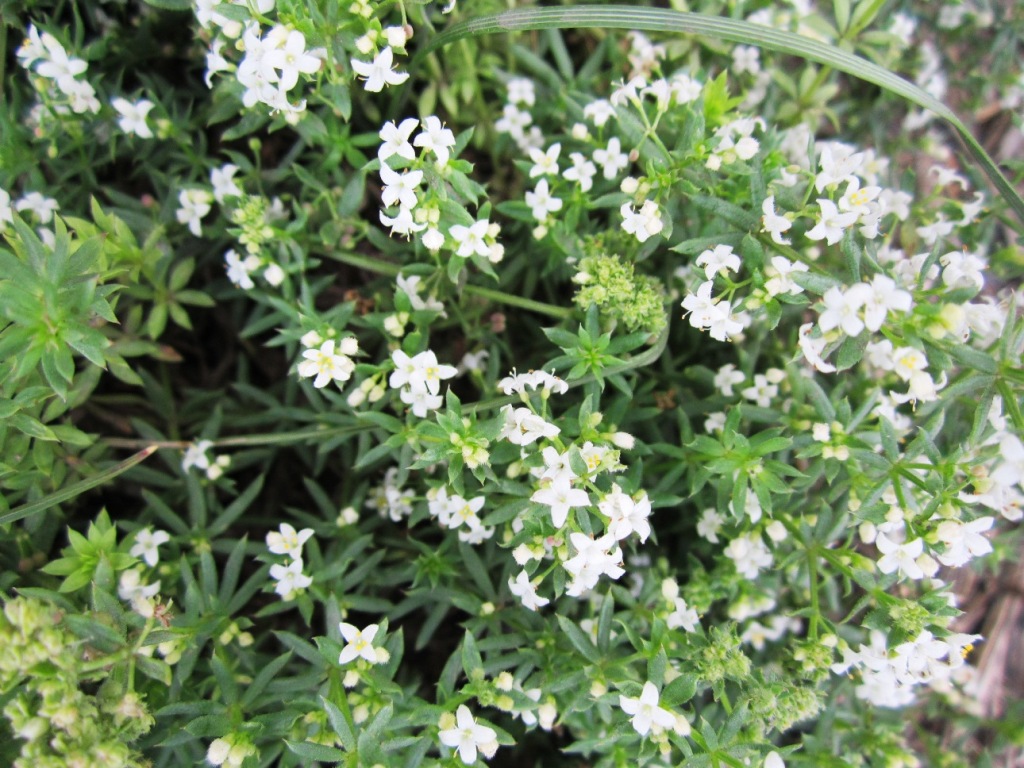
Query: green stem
x,y
393,270
812,571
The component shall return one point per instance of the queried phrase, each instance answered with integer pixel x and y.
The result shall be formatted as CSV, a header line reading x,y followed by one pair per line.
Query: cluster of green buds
x,y
59,723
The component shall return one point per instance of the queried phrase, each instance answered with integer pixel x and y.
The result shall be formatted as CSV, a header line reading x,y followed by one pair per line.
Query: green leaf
x,y
171,5
579,639
77,488
340,724
313,751
471,659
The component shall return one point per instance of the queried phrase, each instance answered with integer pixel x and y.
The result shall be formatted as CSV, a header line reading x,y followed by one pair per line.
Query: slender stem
x,y
393,270
812,571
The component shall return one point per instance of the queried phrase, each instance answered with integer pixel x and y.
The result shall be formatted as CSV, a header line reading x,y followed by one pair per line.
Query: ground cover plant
x,y
421,383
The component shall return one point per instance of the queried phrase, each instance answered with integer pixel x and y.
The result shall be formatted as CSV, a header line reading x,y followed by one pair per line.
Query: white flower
x,y
682,616
749,554
288,541
594,558
380,71
194,205
290,59
599,112
581,171
812,347
963,540
644,223
43,207
524,589
468,736
520,382
612,159
646,712
545,163
395,139
560,497
133,116
436,138
146,543
746,58
403,223
721,259
541,202
400,188
289,579
239,270
626,515
710,524
359,643
218,751
223,182
523,427
470,240
130,586
521,91
780,272
773,223
326,365
901,557
842,309
6,210
831,224
421,373
433,240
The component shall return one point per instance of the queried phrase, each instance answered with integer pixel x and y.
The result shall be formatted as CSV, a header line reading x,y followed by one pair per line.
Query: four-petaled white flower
x,y
400,188
470,239
612,159
560,497
146,543
194,204
327,365
395,139
541,201
359,643
289,579
646,712
436,138
132,118
380,71
468,736
524,589
288,541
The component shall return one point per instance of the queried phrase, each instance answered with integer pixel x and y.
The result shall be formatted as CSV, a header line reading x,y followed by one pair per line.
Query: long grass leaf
x,y
77,488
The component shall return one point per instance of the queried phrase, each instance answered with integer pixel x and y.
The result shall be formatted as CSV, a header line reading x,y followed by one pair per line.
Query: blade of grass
x,y
679,22
77,488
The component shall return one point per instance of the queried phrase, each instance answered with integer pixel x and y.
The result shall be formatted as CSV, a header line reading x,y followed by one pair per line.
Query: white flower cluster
x,y
43,53
40,206
289,579
459,514
889,678
327,360
715,314
419,378
273,62
560,472
389,499
998,484
195,456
